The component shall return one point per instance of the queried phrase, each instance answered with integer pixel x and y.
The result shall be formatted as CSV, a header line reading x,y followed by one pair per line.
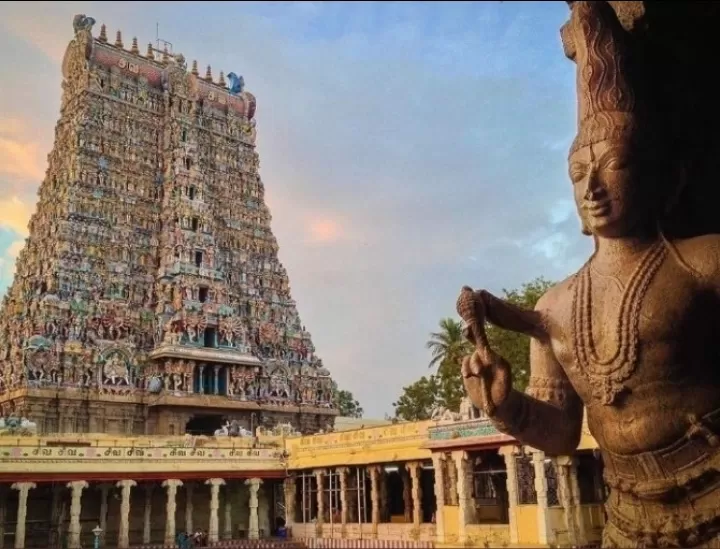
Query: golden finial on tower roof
x,y
208,74
134,49
221,81
195,69
150,54
118,40
103,33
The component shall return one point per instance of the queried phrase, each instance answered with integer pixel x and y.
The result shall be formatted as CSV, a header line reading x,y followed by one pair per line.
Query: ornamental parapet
x,y
102,454
474,432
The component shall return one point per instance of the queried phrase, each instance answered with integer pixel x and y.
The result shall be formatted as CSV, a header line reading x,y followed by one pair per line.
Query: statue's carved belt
x,y
689,465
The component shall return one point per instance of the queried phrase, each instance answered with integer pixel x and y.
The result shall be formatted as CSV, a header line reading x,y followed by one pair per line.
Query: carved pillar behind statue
x,y
406,494
508,453
374,497
104,490
562,464
413,468
538,459
189,492
320,482
438,460
464,494
171,485
124,533
147,514
290,487
452,481
343,473
253,485
575,491
227,505
214,484
23,489
75,509
384,515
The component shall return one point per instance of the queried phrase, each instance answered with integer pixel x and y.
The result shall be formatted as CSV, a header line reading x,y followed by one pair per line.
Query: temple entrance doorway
x,y
204,424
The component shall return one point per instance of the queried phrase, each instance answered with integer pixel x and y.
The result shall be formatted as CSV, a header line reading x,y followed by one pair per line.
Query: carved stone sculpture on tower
x,y
628,336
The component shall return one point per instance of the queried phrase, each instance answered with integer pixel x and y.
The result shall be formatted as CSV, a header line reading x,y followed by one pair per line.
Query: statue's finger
x,y
476,364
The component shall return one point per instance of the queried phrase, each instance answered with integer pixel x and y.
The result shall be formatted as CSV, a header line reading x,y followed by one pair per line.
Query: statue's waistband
x,y
675,469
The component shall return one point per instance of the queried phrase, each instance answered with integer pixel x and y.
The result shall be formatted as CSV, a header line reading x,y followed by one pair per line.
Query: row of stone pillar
x,y
171,485
412,496
568,491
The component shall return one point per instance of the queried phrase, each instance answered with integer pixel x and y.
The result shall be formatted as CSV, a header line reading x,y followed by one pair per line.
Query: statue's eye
x,y
577,172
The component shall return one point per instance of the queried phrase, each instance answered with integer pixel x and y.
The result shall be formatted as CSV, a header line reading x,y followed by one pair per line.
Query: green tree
x,y
514,347
448,347
417,400
347,405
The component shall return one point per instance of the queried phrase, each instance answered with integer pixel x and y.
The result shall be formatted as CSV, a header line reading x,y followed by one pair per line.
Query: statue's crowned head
x,y
609,158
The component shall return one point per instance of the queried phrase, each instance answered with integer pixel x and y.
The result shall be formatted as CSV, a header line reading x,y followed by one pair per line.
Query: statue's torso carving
x,y
674,365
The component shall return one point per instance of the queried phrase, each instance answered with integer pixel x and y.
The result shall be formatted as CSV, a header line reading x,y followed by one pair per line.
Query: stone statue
x,y
628,336
82,23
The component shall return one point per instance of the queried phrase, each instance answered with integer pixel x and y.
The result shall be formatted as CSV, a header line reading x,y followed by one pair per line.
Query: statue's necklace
x,y
606,375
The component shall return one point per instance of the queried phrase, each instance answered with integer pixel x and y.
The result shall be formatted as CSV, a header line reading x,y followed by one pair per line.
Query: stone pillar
x,y
216,379
23,488
253,485
55,507
343,473
147,515
438,460
227,523
384,515
538,459
406,494
189,491
320,481
464,492
214,484
171,485
290,486
452,481
104,489
375,497
562,464
201,385
75,508
413,468
579,518
3,513
508,453
124,533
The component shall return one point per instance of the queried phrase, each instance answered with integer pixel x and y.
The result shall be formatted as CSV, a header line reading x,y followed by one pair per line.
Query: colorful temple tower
x,y
149,298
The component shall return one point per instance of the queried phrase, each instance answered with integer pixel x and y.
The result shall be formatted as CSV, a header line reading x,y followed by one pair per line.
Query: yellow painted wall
x,y
386,444
527,524
488,535
450,523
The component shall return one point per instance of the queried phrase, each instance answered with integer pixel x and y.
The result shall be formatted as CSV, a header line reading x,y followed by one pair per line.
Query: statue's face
x,y
607,183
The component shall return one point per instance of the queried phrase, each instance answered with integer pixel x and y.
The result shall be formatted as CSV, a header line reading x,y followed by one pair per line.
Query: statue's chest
x,y
616,333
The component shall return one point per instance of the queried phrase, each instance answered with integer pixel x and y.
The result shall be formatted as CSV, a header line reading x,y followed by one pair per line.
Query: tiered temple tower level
x,y
149,291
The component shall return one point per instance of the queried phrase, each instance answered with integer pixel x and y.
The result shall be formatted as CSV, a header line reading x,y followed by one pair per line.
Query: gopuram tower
x,y
149,297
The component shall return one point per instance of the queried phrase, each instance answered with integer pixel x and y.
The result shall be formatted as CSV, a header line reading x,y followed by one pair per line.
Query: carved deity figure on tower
x,y
628,336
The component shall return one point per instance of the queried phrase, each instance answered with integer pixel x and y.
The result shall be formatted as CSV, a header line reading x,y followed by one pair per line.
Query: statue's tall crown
x,y
607,96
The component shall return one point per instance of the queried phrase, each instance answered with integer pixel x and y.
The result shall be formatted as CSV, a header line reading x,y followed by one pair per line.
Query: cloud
x,y
15,214
397,141
20,155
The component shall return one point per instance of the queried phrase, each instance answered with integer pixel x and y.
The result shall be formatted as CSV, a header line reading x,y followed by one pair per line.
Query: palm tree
x,y
448,346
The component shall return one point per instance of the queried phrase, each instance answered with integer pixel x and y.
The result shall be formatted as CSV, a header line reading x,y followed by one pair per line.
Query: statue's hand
x,y
494,371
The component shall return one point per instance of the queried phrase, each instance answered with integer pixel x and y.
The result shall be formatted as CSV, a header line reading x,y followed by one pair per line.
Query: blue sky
x,y
406,149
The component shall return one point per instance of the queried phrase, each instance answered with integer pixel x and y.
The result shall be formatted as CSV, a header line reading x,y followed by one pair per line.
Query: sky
x,y
407,149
